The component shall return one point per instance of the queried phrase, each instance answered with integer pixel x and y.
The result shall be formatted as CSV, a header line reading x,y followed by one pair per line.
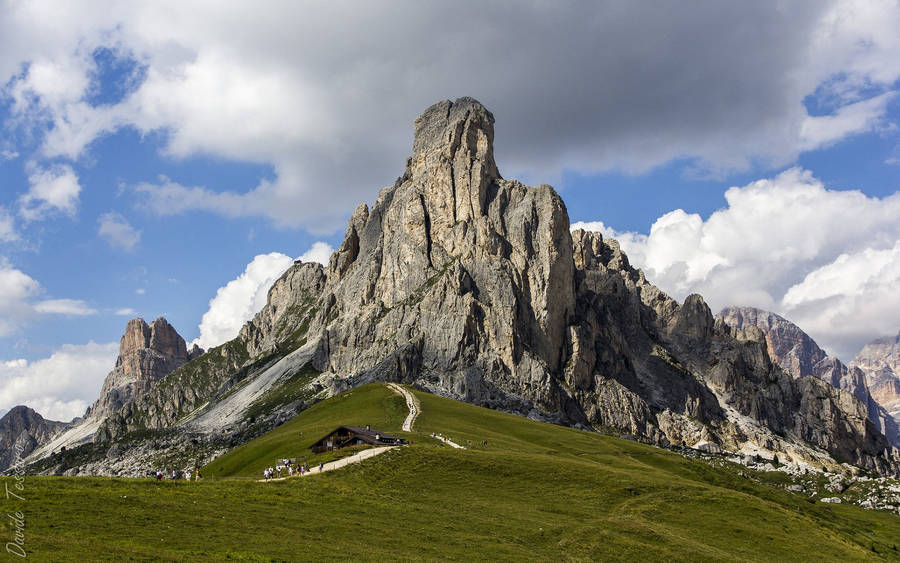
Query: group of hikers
x,y
186,474
288,468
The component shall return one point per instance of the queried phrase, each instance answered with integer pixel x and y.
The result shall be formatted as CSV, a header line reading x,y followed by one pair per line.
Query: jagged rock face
x,y
290,299
788,345
455,275
472,286
880,361
799,355
21,431
147,353
701,379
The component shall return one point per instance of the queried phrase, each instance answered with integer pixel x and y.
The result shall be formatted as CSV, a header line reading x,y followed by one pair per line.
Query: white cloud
x,y
126,312
18,292
16,288
61,386
7,226
786,244
141,291
851,119
54,189
237,301
852,299
320,94
71,307
118,231
319,252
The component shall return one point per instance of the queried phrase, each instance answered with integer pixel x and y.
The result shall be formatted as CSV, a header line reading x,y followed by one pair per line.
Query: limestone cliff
x,y
799,355
147,353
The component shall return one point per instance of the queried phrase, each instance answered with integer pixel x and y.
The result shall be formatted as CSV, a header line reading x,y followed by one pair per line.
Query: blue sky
x,y
171,160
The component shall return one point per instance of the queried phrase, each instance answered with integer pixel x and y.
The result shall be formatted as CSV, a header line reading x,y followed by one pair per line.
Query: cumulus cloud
x,y
61,386
852,299
118,232
16,288
237,301
53,189
319,252
825,259
321,95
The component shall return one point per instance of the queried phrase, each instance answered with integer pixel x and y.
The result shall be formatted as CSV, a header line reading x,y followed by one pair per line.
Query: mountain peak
x,y
158,335
450,126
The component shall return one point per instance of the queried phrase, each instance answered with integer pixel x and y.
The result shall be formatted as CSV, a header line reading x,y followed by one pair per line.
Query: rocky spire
x,y
147,353
453,162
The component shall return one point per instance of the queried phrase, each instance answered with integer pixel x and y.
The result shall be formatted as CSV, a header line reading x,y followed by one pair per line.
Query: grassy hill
x,y
535,492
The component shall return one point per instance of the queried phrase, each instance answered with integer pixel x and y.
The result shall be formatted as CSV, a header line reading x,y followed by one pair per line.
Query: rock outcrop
x,y
799,355
147,353
794,350
21,431
880,361
472,286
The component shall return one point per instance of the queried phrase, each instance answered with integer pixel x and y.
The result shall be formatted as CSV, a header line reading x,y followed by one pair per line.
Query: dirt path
x,y
336,464
412,403
448,441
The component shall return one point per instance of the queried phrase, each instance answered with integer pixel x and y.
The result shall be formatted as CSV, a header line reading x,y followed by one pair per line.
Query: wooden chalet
x,y
345,436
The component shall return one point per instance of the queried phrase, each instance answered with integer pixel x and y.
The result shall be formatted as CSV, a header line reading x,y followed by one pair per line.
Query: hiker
x,y
321,466
187,475
158,475
266,474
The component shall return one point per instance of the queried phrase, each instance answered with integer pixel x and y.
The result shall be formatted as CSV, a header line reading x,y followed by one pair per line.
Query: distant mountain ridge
x,y
880,360
21,431
798,354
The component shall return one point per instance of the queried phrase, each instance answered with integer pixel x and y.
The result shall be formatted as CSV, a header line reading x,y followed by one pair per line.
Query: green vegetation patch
x,y
373,404
535,491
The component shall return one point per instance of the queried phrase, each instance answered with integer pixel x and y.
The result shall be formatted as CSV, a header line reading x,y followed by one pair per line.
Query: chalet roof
x,y
370,435
369,432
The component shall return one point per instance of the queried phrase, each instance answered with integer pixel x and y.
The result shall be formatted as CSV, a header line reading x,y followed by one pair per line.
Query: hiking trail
x,y
412,403
336,464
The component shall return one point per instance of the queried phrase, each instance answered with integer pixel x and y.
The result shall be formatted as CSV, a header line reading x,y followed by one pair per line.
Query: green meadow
x,y
536,491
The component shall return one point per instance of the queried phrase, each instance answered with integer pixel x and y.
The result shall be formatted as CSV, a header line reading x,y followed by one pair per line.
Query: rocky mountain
x,y
880,361
794,350
472,286
21,431
147,353
799,355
